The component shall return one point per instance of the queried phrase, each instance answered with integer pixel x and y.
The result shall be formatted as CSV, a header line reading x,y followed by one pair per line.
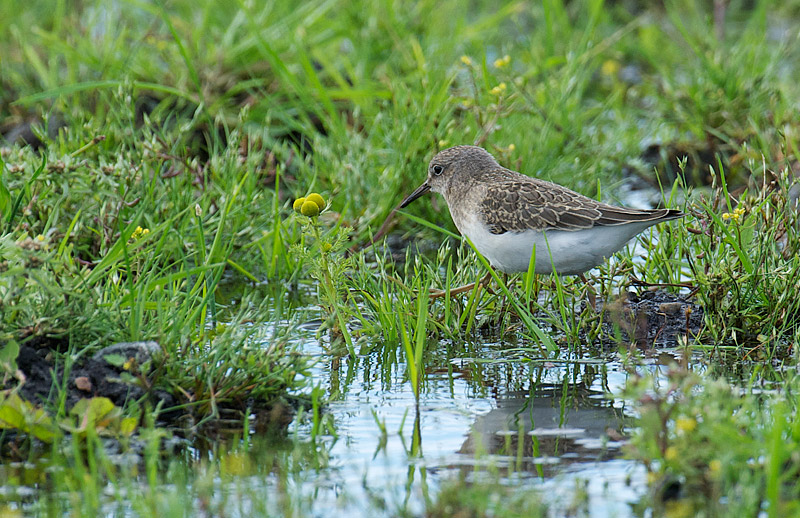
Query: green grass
x,y
175,137
730,450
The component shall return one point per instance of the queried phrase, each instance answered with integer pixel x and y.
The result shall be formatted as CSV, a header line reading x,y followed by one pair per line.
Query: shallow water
x,y
471,412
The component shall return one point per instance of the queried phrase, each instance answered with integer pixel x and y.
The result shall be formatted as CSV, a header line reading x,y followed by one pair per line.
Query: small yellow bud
x,y
610,68
309,208
316,198
671,453
138,233
40,237
512,147
502,62
466,60
726,216
298,203
442,143
497,90
715,466
685,424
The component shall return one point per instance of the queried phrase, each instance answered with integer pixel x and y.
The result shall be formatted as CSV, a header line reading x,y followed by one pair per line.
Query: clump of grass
x,y
724,449
101,247
745,265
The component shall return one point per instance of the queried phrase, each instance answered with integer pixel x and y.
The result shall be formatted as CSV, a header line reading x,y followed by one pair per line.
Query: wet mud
x,y
655,318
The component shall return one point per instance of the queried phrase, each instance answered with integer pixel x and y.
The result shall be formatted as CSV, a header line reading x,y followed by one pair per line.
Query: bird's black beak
x,y
422,189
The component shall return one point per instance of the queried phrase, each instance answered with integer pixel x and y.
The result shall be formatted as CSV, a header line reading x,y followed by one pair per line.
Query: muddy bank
x,y
89,377
129,372
654,318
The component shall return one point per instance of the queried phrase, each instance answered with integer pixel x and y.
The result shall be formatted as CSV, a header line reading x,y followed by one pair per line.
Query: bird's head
x,y
449,163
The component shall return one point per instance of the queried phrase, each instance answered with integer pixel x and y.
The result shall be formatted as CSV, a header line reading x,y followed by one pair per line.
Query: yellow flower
x,y
298,203
316,198
497,90
502,62
685,424
671,453
737,213
610,68
310,209
715,466
466,60
511,148
442,143
139,233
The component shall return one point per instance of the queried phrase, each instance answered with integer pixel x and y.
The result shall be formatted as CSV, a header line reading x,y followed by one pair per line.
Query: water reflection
x,y
566,422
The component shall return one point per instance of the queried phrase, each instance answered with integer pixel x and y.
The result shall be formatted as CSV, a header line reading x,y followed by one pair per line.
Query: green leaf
x,y
8,356
117,360
98,414
12,413
5,197
16,413
127,426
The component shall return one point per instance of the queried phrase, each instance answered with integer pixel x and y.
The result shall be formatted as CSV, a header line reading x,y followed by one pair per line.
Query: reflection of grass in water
x,y
255,478
485,498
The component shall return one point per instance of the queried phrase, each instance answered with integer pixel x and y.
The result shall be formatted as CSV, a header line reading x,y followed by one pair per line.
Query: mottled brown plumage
x,y
514,202
486,199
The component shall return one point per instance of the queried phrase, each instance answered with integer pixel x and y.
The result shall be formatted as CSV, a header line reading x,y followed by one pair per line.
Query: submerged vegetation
x,y
220,179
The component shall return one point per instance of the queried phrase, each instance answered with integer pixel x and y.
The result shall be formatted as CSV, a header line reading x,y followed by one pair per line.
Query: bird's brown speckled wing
x,y
517,204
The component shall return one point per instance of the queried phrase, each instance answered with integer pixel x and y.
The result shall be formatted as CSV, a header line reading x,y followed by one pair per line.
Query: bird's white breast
x,y
570,252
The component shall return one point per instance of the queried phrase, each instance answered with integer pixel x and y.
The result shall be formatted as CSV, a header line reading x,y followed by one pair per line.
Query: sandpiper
x,y
508,215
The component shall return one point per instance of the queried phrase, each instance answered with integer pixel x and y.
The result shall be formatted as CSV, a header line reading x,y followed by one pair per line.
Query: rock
x,y
83,383
670,308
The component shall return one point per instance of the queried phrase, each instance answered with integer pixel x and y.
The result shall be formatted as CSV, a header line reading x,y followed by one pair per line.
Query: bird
x,y
508,215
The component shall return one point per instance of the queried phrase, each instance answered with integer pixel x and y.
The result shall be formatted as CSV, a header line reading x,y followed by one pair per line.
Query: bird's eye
x,y
437,170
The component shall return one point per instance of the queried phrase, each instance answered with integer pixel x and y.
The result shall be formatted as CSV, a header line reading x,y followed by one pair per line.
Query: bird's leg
x,y
591,294
505,297
461,289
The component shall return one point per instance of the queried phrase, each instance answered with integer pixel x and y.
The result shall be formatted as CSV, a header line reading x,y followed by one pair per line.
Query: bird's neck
x,y
456,191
